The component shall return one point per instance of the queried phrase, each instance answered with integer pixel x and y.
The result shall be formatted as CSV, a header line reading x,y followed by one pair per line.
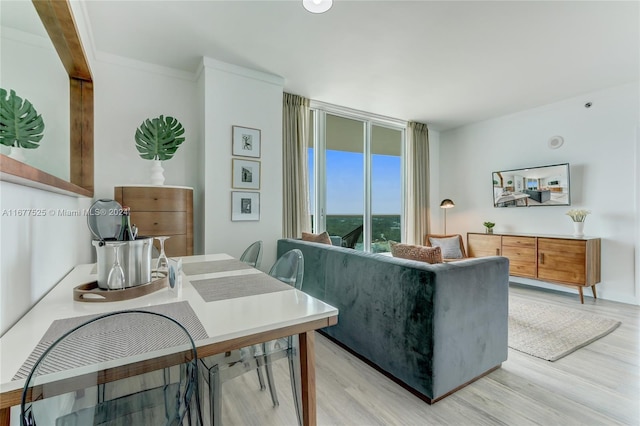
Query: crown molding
x,y
241,71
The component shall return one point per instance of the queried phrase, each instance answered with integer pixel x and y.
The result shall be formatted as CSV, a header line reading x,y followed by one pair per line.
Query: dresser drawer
x,y
159,223
519,241
522,254
156,200
519,269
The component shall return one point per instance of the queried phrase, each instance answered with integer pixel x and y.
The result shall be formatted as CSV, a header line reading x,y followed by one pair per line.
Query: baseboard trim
x,y
390,376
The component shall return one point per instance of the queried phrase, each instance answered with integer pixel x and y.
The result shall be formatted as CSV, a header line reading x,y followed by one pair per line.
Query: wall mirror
x,y
55,77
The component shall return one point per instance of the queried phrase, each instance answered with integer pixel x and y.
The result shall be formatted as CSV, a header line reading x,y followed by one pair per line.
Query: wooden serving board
x,y
90,292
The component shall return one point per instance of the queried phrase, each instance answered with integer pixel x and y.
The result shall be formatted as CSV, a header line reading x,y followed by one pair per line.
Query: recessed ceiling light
x,y
317,6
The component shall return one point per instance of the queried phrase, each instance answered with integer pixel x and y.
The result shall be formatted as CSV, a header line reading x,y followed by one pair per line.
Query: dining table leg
x,y
308,377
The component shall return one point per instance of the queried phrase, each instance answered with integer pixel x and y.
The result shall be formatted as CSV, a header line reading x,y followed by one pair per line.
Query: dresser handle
x,y
497,252
541,258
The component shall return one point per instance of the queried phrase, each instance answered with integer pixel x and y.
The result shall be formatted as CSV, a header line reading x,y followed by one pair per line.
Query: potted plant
x,y
578,216
20,124
489,227
158,139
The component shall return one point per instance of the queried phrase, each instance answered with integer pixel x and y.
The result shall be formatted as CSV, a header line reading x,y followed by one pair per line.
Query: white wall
x,y
600,145
38,249
241,97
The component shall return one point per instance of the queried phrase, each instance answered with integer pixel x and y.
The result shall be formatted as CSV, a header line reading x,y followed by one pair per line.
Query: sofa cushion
x,y
421,253
317,238
450,247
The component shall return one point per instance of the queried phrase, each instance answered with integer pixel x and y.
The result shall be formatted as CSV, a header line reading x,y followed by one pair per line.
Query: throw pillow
x,y
317,238
421,253
450,247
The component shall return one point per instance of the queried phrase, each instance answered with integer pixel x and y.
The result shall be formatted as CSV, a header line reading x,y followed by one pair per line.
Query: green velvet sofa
x,y
432,328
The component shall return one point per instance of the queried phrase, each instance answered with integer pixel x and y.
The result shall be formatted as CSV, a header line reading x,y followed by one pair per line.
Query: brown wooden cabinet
x,y
481,245
561,260
161,210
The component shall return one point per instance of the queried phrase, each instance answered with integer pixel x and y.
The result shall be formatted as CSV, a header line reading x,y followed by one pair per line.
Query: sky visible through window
x,y
345,187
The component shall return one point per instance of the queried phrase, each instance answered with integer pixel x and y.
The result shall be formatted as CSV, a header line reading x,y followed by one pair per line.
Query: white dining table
x,y
230,323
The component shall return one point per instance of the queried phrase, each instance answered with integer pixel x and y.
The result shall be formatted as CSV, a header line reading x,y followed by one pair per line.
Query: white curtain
x,y
416,208
295,187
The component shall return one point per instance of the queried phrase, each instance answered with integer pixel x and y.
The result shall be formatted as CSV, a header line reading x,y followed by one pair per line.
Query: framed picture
x,y
246,142
245,174
245,206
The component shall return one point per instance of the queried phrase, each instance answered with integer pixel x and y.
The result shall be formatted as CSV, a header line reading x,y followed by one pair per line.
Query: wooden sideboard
x,y
161,210
564,260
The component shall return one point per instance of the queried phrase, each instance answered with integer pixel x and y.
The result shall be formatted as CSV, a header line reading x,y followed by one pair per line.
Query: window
x,y
355,167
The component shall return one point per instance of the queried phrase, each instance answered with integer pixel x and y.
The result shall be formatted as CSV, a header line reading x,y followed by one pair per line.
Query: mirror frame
x,y
57,18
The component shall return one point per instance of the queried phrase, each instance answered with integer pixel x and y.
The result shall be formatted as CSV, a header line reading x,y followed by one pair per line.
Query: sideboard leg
x,y
593,290
581,294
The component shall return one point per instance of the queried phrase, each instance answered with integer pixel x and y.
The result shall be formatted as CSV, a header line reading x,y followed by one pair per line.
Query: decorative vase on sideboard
x,y
578,229
157,173
17,153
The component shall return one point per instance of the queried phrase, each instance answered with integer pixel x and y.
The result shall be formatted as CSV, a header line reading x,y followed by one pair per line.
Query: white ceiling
x,y
445,63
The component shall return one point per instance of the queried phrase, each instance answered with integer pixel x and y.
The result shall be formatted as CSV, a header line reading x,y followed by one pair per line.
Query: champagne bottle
x,y
126,234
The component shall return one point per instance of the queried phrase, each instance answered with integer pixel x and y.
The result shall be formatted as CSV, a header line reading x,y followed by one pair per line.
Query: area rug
x,y
550,332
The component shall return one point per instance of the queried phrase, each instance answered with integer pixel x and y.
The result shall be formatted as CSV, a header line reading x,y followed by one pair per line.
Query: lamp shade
x,y
317,6
447,204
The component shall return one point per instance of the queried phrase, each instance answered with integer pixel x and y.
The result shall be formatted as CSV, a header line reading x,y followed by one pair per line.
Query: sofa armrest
x,y
470,323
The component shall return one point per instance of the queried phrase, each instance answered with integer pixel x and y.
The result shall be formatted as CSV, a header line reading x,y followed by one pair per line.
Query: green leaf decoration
x,y
159,138
20,123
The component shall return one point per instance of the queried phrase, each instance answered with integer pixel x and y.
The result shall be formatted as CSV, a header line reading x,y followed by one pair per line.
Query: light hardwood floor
x,y
596,385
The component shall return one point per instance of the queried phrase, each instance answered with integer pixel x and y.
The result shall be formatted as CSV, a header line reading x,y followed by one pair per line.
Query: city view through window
x,y
346,183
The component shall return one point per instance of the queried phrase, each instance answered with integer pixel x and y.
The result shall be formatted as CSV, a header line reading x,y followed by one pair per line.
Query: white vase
x,y
578,229
157,173
17,153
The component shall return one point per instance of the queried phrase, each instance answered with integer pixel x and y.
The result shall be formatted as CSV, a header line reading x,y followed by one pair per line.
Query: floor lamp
x,y
446,204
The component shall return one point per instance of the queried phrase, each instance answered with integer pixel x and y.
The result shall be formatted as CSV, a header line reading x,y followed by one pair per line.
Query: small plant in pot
x,y
20,124
489,227
158,139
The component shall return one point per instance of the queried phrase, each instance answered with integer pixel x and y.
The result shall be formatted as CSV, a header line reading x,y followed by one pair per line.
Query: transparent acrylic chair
x,y
252,255
217,369
68,383
289,268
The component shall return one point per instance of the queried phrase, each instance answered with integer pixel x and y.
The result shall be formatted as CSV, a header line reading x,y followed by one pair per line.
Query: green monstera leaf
x,y
20,124
159,138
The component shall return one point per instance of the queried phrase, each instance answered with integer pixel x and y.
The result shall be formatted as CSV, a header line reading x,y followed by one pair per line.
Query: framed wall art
x,y
245,206
245,174
246,142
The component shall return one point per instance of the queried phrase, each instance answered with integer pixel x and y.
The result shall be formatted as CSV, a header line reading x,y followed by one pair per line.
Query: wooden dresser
x,y
161,210
564,260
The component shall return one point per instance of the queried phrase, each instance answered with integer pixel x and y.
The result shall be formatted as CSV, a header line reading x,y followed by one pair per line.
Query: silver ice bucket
x,y
135,260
